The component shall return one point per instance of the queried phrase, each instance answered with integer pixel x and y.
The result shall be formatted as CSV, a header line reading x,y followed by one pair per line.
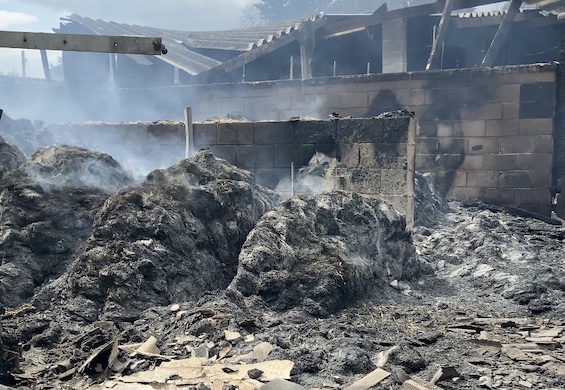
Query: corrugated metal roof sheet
x,y
180,43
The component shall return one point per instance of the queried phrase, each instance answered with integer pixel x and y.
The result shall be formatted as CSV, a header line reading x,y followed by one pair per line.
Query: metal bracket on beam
x,y
77,42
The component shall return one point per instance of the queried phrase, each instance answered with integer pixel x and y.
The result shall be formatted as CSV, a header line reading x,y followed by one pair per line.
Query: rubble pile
x,y
322,252
196,278
11,157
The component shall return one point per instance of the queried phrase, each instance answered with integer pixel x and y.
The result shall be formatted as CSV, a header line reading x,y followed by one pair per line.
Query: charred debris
x,y
197,278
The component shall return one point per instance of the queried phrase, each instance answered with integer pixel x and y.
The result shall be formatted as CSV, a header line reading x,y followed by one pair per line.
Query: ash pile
x,y
198,278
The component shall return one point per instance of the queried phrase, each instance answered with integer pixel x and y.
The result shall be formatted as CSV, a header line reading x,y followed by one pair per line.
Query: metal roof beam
x,y
77,42
501,34
381,15
438,40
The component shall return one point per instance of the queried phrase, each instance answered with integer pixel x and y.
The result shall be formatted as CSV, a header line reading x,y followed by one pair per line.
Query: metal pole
x,y
243,74
292,179
368,68
188,131
23,63
335,67
291,74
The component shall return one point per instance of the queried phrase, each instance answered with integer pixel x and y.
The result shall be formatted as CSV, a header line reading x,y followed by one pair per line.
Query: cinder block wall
x,y
375,154
484,133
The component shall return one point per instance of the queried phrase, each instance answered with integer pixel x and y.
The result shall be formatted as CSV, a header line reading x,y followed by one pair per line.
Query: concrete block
x,y
350,155
427,146
360,130
463,193
328,100
426,162
472,162
227,152
315,132
395,85
272,133
479,179
529,196
507,93
366,86
485,145
445,129
540,126
537,92
502,127
525,179
278,102
340,88
427,129
534,161
449,162
205,134
229,105
304,102
450,178
255,157
518,144
481,111
235,133
537,109
366,181
452,145
396,201
470,128
511,110
395,129
543,144
411,97
353,100
391,156
393,181
299,154
500,162
497,195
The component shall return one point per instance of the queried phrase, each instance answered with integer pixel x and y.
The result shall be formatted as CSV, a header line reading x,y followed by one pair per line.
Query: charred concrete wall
x,y
374,155
484,133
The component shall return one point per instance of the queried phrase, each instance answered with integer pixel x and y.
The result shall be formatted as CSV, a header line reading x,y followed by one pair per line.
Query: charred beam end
x,y
501,34
78,42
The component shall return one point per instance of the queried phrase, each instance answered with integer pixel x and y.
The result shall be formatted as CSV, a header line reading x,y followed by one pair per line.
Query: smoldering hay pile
x,y
81,243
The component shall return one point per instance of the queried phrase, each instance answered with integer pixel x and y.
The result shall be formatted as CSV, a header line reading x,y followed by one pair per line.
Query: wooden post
x,y
438,41
188,132
410,173
45,63
501,34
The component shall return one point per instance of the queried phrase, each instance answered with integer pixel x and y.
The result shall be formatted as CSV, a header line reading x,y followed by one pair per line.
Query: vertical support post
x,y
112,67
23,64
501,34
243,74
368,68
45,63
291,70
188,131
307,42
335,68
292,179
439,39
176,78
410,173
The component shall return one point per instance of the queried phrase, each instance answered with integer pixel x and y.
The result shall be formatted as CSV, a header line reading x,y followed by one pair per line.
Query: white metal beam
x,y
77,42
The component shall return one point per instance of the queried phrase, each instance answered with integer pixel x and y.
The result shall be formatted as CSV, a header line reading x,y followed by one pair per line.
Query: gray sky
x,y
43,15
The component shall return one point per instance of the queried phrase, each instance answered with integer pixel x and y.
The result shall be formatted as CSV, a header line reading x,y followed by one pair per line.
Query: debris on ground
x,y
197,278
